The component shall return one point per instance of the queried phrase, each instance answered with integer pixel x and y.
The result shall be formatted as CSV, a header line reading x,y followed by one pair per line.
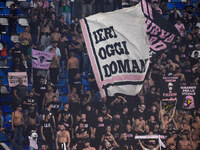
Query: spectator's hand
x,y
44,138
57,148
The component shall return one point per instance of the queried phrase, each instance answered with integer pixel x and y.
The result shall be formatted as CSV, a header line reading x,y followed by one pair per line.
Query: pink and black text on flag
x,y
161,33
118,49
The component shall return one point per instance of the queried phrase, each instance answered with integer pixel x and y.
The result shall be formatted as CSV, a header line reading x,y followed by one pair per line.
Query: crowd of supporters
x,y
86,120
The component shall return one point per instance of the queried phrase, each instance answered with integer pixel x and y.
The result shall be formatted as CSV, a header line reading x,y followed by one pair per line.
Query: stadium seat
x,y
177,1
5,38
3,138
2,73
15,38
63,99
61,82
2,4
84,82
4,21
8,126
20,29
4,81
6,109
170,5
23,21
180,6
8,3
6,11
194,1
65,90
19,12
8,118
8,99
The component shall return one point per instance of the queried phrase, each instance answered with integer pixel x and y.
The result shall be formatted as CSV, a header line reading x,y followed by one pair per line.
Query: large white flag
x,y
118,48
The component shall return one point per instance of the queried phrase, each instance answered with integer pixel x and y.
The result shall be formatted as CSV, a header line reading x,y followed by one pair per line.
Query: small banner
x,y
118,49
169,92
150,137
188,97
161,32
14,76
170,88
41,59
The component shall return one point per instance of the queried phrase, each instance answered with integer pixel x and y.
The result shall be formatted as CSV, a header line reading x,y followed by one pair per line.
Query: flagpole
x,y
159,142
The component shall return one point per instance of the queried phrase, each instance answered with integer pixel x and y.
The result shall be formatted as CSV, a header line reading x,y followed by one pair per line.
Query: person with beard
x,y
75,26
29,101
130,135
55,36
140,111
13,15
40,90
33,120
75,46
118,104
82,134
54,68
45,30
91,116
17,53
99,129
35,29
56,107
125,144
63,45
116,131
108,137
87,125
77,83
87,146
66,121
20,91
64,112
18,66
72,68
150,97
86,101
151,146
48,111
74,103
47,132
62,139
48,97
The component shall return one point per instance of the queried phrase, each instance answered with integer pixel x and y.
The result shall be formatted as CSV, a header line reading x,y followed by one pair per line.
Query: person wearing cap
x,y
17,122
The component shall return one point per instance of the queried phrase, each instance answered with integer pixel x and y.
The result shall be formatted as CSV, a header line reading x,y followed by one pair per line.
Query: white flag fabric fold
x,y
161,143
118,49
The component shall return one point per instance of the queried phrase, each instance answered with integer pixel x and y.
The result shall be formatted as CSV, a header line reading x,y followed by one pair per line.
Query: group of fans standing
x,y
88,121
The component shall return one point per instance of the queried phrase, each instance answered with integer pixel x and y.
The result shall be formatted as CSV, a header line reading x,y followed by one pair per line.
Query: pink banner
x,y
14,76
41,59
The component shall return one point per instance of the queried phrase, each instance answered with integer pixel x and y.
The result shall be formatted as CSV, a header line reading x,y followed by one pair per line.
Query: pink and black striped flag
x,y
161,33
